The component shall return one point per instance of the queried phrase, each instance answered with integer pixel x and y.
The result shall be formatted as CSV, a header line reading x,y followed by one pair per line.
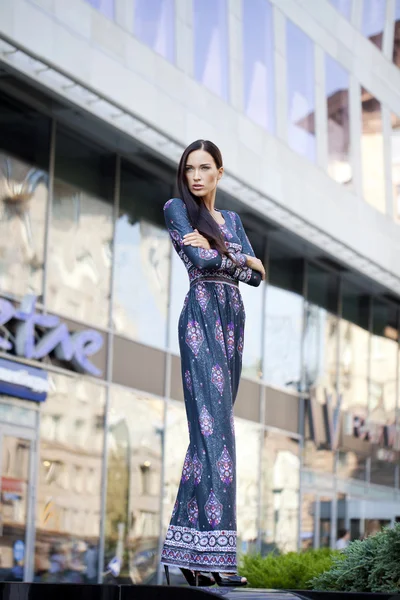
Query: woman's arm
x,y
247,248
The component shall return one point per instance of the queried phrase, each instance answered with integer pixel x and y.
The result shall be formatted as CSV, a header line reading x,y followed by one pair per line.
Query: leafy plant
x,y
293,570
371,565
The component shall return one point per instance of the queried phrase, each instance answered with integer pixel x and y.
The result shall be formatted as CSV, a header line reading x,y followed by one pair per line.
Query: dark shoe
x,y
229,580
196,578
166,569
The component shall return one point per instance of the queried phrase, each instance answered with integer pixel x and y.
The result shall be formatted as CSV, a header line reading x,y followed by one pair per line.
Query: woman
x,y
217,255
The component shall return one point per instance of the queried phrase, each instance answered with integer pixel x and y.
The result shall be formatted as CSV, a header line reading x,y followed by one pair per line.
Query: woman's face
x,y
201,173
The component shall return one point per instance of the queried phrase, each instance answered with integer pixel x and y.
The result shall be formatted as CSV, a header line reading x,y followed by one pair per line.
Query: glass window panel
x,y
300,89
155,25
81,231
337,103
396,163
354,350
107,7
372,160
322,288
179,289
343,6
279,493
351,466
382,471
384,349
247,476
396,43
283,320
142,257
68,510
308,525
211,63
134,482
24,156
258,63
373,20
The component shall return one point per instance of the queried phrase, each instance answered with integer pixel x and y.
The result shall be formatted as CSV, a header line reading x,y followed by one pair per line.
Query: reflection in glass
x,y
133,482
279,493
155,26
396,163
179,289
69,486
337,103
343,6
350,465
258,62
382,469
107,7
372,151
384,349
142,255
301,95
80,241
247,475
396,41
373,21
211,63
308,525
15,457
252,300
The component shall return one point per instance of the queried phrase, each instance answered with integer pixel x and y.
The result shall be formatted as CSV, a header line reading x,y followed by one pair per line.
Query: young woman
x,y
217,255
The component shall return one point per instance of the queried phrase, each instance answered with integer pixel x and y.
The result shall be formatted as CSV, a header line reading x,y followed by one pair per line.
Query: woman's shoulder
x,y
174,203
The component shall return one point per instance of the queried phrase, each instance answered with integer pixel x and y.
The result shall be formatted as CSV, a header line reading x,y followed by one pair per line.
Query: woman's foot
x,y
197,578
229,580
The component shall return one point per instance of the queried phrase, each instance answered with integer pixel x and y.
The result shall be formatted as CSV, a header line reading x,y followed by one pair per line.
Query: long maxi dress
x,y
202,532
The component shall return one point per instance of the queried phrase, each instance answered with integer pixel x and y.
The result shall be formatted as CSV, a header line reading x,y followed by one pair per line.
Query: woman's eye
x,y
205,168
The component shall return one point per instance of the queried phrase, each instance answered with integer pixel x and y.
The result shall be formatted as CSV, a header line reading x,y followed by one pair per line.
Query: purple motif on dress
x,y
226,231
219,335
217,378
220,292
207,254
193,511
235,299
197,469
225,467
240,343
187,468
206,422
233,217
188,381
232,420
202,295
175,508
168,202
194,336
175,236
213,510
231,340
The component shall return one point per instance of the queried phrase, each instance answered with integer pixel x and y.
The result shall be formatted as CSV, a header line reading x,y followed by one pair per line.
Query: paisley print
x,y
240,344
194,337
213,509
207,254
235,300
193,511
231,340
219,287
202,295
197,469
225,467
217,377
206,422
187,467
188,381
219,335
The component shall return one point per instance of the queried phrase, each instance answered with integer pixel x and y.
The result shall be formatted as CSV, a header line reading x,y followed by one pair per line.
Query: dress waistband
x,y
215,279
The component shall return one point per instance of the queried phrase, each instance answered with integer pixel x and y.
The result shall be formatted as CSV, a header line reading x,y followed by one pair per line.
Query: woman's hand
x,y
197,240
255,264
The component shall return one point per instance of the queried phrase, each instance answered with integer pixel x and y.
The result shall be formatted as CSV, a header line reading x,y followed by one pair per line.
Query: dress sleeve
x,y
246,247
178,225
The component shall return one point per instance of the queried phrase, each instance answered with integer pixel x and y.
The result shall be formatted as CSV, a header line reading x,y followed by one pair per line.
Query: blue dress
x,y
202,532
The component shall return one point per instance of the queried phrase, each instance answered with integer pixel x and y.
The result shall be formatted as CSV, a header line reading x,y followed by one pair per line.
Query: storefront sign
x,y
23,381
75,348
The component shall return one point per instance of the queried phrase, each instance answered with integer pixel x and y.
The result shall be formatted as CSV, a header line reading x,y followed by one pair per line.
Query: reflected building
x,y
93,428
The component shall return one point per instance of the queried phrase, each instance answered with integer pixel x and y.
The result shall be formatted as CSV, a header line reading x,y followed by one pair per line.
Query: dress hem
x,y
197,567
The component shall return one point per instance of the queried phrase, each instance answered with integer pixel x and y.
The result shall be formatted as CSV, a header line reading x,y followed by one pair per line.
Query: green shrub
x,y
371,565
293,570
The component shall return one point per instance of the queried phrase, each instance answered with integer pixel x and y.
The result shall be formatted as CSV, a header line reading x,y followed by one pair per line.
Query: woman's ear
x,y
220,172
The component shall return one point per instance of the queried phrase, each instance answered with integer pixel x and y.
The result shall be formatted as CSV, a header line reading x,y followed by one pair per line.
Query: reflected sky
x,y
258,63
343,6
373,18
211,65
107,7
300,89
155,26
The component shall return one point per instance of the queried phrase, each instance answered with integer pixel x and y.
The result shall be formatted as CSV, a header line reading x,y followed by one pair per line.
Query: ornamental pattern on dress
x,y
219,287
205,561
240,343
219,335
231,340
168,202
202,295
225,467
188,381
233,219
185,259
194,336
193,511
175,508
201,541
232,421
175,236
217,378
197,469
207,254
243,274
235,300
213,509
187,467
206,422
225,231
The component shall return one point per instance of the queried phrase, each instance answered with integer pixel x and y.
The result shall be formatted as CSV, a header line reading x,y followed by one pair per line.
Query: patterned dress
x,y
202,531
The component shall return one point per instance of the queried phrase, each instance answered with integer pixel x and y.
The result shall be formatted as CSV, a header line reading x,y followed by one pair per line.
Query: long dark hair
x,y
199,216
